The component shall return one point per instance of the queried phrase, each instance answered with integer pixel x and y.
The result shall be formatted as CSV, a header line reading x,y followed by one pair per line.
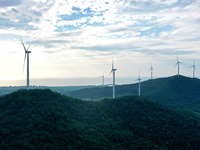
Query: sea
x,y
70,81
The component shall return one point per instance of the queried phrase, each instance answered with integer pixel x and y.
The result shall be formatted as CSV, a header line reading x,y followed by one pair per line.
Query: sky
x,y
77,39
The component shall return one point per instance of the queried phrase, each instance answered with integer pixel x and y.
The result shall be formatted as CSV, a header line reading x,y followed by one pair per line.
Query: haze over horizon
x,y
78,38
69,81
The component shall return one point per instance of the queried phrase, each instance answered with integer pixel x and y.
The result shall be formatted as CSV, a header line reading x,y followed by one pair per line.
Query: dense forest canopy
x,y
42,119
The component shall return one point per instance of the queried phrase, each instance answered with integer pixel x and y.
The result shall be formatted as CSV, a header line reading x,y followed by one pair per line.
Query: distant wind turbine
x,y
178,64
194,68
151,69
139,87
113,71
26,53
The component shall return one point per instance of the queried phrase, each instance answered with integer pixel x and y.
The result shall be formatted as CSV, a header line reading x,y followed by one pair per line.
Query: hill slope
x,y
42,119
181,92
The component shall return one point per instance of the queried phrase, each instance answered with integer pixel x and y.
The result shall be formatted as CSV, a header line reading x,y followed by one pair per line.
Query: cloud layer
x,y
147,28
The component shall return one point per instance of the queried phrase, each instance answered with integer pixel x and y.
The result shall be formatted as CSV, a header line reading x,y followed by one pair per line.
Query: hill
x,y
42,119
181,92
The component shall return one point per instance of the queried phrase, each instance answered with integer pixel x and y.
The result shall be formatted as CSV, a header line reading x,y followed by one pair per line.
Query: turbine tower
x,y
194,68
113,71
26,53
151,69
139,87
178,64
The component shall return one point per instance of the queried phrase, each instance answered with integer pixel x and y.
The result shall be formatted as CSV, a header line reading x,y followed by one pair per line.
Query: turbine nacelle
x,y
139,79
177,61
28,52
114,70
151,69
193,66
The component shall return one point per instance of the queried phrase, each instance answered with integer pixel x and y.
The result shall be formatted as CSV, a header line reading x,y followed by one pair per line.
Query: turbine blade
x,y
23,44
191,66
139,74
176,64
110,72
24,61
112,64
176,58
28,47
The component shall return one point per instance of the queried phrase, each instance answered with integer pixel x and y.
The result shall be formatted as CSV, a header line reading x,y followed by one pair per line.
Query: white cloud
x,y
132,29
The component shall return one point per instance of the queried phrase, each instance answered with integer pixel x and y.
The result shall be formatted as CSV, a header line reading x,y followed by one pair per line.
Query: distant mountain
x,y
181,92
42,119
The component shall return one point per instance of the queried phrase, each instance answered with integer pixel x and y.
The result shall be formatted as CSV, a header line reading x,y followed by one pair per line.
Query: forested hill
x,y
42,119
181,92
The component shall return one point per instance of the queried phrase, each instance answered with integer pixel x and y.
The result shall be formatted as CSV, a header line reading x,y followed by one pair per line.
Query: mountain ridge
x,y
178,92
42,119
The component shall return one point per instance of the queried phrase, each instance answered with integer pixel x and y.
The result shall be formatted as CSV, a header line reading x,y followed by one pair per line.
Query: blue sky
x,y
78,38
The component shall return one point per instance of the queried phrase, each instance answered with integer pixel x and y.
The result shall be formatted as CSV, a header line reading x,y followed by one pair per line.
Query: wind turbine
x,y
26,53
151,69
194,68
113,71
139,87
177,64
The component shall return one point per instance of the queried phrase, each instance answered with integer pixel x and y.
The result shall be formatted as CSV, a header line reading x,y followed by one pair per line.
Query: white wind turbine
x,y
178,64
151,69
194,68
139,87
113,71
26,53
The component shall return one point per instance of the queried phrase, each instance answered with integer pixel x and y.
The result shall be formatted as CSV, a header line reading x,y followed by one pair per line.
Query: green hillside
x,y
181,92
42,119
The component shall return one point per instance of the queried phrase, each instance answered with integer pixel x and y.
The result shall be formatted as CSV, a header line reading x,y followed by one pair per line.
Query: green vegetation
x,y
181,93
42,119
